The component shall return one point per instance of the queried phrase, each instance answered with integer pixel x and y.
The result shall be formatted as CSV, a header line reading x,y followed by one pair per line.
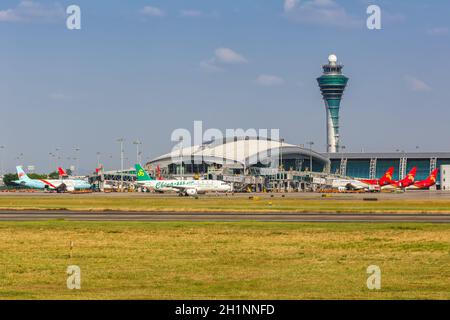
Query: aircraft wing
x,y
356,185
350,184
183,188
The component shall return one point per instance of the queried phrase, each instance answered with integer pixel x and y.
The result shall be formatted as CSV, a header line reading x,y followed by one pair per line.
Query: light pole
x,y
121,140
281,163
341,150
311,143
98,159
137,143
1,160
53,161
281,154
77,156
111,159
57,155
50,155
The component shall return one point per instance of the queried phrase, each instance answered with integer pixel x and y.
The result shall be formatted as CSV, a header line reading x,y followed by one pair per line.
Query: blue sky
x,y
141,69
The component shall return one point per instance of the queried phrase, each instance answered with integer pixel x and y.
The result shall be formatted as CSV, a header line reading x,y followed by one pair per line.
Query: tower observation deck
x,y
332,85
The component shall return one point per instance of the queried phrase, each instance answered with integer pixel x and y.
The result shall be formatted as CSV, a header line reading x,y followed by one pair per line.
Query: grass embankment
x,y
223,204
223,260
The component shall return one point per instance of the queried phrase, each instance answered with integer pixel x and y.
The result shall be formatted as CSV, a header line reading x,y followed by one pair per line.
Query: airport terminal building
x,y
239,155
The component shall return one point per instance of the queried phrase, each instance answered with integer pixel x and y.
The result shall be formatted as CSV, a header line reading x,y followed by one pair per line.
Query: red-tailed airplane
x,y
383,181
62,172
365,184
404,183
427,183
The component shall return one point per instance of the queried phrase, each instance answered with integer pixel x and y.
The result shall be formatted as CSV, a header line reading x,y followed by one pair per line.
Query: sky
x,y
142,69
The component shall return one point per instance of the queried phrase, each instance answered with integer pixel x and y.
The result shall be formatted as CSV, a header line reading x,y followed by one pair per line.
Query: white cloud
x,y
222,56
226,55
439,31
267,80
30,11
8,16
289,5
152,11
191,13
320,12
417,84
210,66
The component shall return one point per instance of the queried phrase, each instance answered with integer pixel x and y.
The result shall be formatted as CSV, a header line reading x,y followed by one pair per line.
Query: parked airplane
x,y
183,187
72,183
425,184
364,184
383,181
404,183
60,185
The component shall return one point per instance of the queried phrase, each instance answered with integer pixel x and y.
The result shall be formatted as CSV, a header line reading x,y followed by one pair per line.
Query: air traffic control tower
x,y
332,85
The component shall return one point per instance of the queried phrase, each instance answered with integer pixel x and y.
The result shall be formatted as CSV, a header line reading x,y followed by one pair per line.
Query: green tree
x,y
53,175
9,178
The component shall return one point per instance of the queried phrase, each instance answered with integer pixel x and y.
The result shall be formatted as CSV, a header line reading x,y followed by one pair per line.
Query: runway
x,y
219,216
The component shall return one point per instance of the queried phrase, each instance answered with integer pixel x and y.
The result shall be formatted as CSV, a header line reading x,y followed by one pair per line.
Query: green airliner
x,y
183,187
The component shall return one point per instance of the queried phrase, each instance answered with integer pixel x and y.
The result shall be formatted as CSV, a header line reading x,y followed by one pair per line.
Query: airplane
x,y
404,183
183,187
364,184
383,181
425,184
72,183
59,185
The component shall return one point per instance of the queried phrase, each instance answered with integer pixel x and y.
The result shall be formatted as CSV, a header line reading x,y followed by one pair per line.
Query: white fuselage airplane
x,y
183,187
60,185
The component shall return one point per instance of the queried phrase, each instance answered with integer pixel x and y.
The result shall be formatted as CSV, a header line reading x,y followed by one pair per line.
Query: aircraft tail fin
x,y
387,177
412,174
61,172
21,174
433,175
141,174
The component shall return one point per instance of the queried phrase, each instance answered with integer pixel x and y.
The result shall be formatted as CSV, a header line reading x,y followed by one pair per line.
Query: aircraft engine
x,y
191,192
62,188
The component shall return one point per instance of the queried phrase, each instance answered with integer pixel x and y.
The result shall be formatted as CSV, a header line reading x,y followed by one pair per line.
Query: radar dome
x,y
332,58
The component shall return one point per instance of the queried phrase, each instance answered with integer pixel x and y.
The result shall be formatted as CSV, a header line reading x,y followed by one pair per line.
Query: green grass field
x,y
228,204
245,260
